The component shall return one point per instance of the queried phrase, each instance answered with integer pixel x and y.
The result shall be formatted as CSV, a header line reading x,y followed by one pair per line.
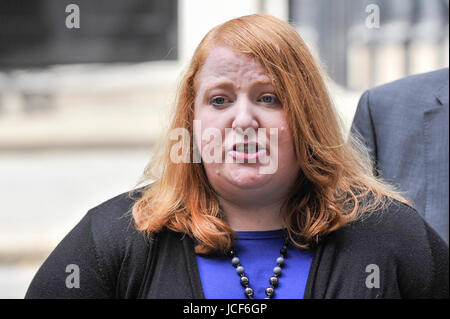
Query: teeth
x,y
247,148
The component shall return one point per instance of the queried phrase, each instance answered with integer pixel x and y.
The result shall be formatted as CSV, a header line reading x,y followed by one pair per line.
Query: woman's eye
x,y
219,101
268,99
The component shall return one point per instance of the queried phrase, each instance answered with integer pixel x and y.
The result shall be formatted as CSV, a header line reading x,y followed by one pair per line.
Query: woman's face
x,y
235,97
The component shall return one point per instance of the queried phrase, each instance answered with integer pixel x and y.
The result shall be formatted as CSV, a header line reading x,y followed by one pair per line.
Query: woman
x,y
279,206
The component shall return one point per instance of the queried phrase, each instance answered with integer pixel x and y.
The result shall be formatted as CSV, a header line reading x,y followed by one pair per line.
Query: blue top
x,y
257,251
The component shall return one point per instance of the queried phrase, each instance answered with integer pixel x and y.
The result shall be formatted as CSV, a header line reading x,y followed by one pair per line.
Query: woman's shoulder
x,y
409,256
114,214
397,236
397,225
112,224
106,249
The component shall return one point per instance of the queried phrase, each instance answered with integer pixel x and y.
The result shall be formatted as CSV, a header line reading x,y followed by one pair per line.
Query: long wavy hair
x,y
336,184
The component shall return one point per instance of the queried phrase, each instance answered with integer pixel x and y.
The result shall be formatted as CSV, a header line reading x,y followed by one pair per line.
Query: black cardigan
x,y
116,261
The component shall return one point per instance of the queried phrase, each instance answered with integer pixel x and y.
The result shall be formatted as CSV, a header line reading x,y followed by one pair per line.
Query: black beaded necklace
x,y
273,281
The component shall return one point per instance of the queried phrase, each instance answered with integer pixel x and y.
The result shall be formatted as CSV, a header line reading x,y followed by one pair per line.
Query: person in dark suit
x,y
404,124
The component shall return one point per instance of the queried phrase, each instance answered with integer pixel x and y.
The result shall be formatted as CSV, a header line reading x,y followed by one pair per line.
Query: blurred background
x,y
86,91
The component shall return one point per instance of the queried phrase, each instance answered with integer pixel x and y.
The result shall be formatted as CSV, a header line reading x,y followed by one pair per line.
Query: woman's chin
x,y
246,176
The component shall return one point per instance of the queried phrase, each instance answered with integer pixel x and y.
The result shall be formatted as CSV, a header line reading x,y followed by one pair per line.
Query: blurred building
x,y
405,37
34,33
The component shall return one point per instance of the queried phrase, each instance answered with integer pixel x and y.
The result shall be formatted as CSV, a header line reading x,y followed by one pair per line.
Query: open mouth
x,y
248,148
247,152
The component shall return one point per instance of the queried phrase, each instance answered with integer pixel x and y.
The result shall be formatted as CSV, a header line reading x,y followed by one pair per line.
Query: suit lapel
x,y
442,94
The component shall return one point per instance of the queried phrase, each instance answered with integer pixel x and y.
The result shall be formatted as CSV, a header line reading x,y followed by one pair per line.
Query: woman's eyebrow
x,y
222,84
230,84
267,82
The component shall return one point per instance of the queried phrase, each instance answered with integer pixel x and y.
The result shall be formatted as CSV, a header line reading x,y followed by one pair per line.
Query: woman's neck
x,y
252,217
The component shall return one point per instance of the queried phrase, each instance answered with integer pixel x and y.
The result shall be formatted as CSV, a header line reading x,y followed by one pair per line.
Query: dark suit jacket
x,y
405,126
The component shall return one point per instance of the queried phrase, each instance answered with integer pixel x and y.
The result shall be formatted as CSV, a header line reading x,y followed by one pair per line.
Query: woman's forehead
x,y
224,62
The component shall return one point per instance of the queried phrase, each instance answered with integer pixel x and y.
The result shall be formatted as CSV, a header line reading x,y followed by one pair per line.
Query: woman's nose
x,y
244,116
